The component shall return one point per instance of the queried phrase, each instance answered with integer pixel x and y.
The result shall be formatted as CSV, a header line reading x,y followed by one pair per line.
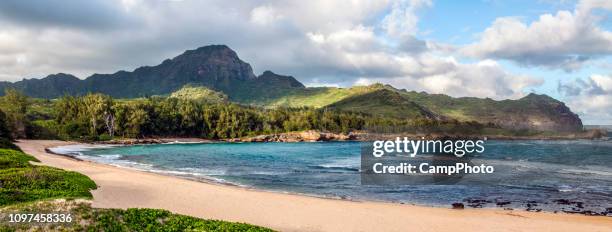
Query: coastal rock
x,y
476,203
538,112
458,206
608,212
502,203
311,135
302,136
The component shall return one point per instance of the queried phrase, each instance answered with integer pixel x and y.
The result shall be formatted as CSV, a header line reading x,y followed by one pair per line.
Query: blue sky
x,y
459,21
482,48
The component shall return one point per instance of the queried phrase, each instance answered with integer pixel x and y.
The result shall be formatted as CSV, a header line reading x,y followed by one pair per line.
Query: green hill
x,y
533,112
312,97
199,93
384,102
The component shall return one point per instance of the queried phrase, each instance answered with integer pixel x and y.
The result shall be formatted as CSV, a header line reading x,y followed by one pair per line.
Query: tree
x,y
136,119
5,132
121,114
15,105
191,113
98,107
109,121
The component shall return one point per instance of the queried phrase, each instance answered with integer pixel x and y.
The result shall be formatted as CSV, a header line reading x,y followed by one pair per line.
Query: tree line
x,y
100,117
95,115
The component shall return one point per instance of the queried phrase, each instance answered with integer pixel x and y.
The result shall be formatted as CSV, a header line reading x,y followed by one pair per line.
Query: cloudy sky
x,y
482,48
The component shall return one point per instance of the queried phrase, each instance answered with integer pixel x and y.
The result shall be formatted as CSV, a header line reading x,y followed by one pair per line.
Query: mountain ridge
x,y
214,66
218,68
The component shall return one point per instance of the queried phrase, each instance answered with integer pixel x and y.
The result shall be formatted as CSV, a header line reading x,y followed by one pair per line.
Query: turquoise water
x,y
529,174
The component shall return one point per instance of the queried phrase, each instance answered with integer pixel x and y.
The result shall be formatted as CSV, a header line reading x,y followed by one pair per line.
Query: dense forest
x,y
97,114
100,117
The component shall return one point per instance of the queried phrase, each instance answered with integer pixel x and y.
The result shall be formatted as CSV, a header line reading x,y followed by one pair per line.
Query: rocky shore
x,y
316,136
301,136
587,134
559,205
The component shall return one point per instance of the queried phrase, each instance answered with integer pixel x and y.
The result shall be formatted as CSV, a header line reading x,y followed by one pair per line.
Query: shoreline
x,y
473,203
123,188
318,136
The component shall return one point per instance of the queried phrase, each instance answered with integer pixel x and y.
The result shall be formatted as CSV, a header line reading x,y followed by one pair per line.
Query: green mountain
x,y
216,67
215,72
535,112
539,112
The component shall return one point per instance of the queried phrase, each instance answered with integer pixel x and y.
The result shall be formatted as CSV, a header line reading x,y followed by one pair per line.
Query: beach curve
x,y
126,188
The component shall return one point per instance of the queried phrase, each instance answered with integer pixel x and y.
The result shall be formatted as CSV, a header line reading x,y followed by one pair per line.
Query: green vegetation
x,y
100,117
27,188
533,112
308,97
14,159
199,93
14,106
384,103
93,115
21,181
6,143
24,182
5,131
5,134
86,218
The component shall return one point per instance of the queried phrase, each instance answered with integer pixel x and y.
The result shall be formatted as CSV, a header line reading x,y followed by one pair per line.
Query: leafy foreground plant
x,y
21,181
86,218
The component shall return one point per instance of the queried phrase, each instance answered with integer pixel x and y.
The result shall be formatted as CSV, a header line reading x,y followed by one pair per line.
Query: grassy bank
x,y
24,182
85,218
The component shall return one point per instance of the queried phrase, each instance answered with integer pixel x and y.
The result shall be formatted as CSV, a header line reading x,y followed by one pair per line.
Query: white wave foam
x,y
203,172
78,149
588,171
183,142
115,160
352,162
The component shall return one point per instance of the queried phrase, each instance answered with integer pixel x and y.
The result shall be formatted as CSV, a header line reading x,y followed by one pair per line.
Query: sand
x,y
126,188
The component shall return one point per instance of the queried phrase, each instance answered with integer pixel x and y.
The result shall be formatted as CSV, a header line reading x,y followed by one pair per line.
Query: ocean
x,y
571,176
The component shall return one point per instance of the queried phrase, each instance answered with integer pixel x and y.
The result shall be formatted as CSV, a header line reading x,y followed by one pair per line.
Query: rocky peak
x,y
62,77
538,97
273,79
216,61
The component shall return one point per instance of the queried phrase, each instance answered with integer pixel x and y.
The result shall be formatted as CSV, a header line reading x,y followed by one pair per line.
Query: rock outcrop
x,y
539,112
302,136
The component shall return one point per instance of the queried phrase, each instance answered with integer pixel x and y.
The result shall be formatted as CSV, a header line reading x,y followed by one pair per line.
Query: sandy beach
x,y
125,188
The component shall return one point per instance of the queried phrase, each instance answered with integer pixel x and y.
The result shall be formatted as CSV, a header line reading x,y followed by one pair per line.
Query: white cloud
x,y
320,42
588,5
590,98
564,40
402,20
264,15
483,79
